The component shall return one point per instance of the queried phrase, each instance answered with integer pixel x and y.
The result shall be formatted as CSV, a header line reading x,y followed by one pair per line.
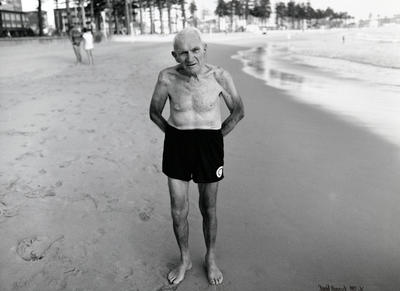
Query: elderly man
x,y
193,145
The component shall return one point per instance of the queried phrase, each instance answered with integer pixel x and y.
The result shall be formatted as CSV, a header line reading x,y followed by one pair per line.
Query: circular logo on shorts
x,y
219,171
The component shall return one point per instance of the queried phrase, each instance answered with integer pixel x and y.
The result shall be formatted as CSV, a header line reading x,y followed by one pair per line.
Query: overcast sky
x,y
356,8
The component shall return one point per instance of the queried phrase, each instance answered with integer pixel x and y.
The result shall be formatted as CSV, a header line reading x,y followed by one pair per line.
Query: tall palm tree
x,y
300,14
290,11
160,5
182,4
40,19
221,10
69,20
309,13
169,4
232,11
92,11
139,4
127,17
150,4
246,10
280,10
193,9
81,6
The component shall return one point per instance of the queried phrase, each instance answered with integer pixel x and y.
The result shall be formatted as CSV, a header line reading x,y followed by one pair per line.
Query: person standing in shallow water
x,y
193,145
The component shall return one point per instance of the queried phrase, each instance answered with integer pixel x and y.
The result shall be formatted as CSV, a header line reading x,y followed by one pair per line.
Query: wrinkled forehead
x,y
187,41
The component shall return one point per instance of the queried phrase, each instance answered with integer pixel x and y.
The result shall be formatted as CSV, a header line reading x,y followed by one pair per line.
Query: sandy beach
x,y
308,198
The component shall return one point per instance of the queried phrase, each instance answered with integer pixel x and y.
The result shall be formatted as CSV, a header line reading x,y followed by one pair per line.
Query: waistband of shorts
x,y
196,130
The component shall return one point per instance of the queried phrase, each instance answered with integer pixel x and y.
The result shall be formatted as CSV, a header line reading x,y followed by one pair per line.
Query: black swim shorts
x,y
196,154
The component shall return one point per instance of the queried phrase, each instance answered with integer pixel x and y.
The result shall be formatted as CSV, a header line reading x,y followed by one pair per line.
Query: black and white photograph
x,y
199,145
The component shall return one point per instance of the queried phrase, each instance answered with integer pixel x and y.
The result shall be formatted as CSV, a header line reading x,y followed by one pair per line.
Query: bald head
x,y
186,34
189,51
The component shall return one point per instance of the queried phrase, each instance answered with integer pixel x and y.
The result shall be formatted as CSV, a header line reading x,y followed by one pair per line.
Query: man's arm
x,y
158,100
232,100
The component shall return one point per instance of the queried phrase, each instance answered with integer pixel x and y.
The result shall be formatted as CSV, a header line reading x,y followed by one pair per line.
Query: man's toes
x,y
171,277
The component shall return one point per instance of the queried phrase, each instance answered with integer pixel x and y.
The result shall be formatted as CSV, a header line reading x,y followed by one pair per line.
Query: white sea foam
x,y
326,75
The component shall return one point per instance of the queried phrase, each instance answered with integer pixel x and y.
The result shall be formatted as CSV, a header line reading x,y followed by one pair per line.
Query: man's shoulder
x,y
168,74
219,73
213,69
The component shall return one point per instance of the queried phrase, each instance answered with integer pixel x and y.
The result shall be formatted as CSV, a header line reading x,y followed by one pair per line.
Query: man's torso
x,y
194,102
76,37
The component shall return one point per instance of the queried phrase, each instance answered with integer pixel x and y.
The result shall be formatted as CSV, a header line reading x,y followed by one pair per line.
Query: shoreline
x,y
308,198
335,85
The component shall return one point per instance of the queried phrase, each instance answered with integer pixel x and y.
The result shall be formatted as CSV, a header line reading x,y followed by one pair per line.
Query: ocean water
x,y
352,73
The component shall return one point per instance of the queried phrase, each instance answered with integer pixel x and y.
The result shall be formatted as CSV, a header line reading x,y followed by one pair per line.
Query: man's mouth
x,y
191,65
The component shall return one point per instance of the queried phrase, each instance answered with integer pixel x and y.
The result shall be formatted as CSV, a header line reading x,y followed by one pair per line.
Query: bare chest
x,y
200,95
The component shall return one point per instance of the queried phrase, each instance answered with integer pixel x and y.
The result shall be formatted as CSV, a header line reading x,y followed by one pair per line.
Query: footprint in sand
x,y
34,248
153,169
14,132
13,184
7,212
145,214
25,155
121,270
40,192
168,288
68,163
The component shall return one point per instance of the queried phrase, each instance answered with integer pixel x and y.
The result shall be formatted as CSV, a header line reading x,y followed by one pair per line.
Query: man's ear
x,y
173,53
205,47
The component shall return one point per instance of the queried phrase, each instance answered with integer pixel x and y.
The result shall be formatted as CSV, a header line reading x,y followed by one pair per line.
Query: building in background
x,y
13,21
61,18
33,21
12,5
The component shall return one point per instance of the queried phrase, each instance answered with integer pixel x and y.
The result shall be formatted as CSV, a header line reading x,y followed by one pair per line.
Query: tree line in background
x,y
300,12
123,11
291,12
128,10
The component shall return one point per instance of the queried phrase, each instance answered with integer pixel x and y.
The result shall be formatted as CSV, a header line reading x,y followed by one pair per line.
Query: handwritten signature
x,y
344,288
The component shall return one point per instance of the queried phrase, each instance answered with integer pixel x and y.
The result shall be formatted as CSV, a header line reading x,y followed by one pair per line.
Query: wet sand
x,y
308,199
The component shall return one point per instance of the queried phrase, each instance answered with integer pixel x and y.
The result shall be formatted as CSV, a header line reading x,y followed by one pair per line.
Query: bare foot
x,y
214,274
175,276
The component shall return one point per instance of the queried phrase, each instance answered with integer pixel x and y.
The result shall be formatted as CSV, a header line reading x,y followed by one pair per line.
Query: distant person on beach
x,y
76,38
193,145
88,44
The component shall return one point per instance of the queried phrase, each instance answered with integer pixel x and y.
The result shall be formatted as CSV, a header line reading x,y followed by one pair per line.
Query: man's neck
x,y
182,71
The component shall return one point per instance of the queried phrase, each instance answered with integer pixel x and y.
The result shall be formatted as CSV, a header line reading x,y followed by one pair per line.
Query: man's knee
x,y
208,211
179,214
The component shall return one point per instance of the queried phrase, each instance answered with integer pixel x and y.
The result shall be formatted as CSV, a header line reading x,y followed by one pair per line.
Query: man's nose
x,y
190,56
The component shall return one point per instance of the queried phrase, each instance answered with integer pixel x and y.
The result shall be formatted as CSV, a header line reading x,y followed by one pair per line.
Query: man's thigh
x,y
208,194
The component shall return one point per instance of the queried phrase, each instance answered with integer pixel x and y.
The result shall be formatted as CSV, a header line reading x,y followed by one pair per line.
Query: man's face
x,y
190,52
